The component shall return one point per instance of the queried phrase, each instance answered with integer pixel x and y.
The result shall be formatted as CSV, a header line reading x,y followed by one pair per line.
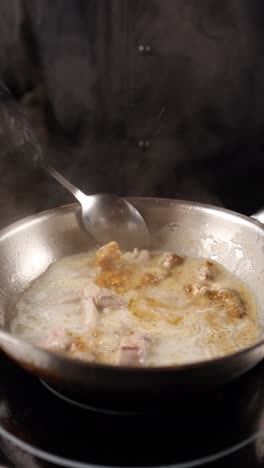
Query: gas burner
x,y
116,408
87,405
40,427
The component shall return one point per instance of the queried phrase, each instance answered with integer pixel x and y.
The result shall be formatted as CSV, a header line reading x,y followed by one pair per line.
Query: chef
x,y
142,97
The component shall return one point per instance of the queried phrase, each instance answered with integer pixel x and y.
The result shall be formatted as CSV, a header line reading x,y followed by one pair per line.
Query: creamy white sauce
x,y
147,304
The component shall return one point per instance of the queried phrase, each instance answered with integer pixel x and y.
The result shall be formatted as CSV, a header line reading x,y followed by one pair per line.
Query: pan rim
x,y
37,217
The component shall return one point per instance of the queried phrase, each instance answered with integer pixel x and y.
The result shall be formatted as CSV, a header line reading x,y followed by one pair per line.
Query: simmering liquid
x,y
137,308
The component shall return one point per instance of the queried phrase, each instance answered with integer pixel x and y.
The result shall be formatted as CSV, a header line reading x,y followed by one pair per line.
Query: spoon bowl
x,y
107,217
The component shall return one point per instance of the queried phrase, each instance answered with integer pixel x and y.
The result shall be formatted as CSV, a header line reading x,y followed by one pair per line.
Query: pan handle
x,y
259,215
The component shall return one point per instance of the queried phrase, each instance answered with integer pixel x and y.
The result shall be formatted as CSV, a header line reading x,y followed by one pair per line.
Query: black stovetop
x,y
39,429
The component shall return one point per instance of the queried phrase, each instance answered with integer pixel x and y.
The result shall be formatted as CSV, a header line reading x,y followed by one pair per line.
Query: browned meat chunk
x,y
153,275
207,271
228,298
196,289
132,349
109,256
151,278
233,302
170,260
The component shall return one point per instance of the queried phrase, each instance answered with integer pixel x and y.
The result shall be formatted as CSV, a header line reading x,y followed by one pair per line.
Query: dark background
x,y
195,99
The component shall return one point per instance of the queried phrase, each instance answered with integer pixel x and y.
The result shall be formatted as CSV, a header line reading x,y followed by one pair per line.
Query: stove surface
x,y
41,428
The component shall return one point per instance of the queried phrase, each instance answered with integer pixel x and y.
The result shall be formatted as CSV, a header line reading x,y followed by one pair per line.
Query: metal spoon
x,y
107,217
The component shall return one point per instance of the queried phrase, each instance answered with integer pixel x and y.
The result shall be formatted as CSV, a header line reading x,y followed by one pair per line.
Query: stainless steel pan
x,y
28,247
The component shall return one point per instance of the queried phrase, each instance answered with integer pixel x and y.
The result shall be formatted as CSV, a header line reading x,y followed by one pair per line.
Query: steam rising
x,y
21,160
199,104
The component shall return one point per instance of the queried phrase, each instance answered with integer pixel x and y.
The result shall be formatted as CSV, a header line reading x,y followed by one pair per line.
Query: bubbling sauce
x,y
137,308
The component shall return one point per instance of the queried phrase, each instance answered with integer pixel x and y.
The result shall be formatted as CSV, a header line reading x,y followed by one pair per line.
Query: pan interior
x,y
30,246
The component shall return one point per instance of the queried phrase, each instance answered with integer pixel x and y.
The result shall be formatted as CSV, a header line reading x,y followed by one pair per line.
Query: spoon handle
x,y
80,196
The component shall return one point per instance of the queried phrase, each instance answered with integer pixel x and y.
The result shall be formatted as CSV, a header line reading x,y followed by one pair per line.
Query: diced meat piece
x,y
137,256
133,348
109,256
129,355
58,339
170,260
107,300
153,275
196,289
233,302
89,311
207,271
